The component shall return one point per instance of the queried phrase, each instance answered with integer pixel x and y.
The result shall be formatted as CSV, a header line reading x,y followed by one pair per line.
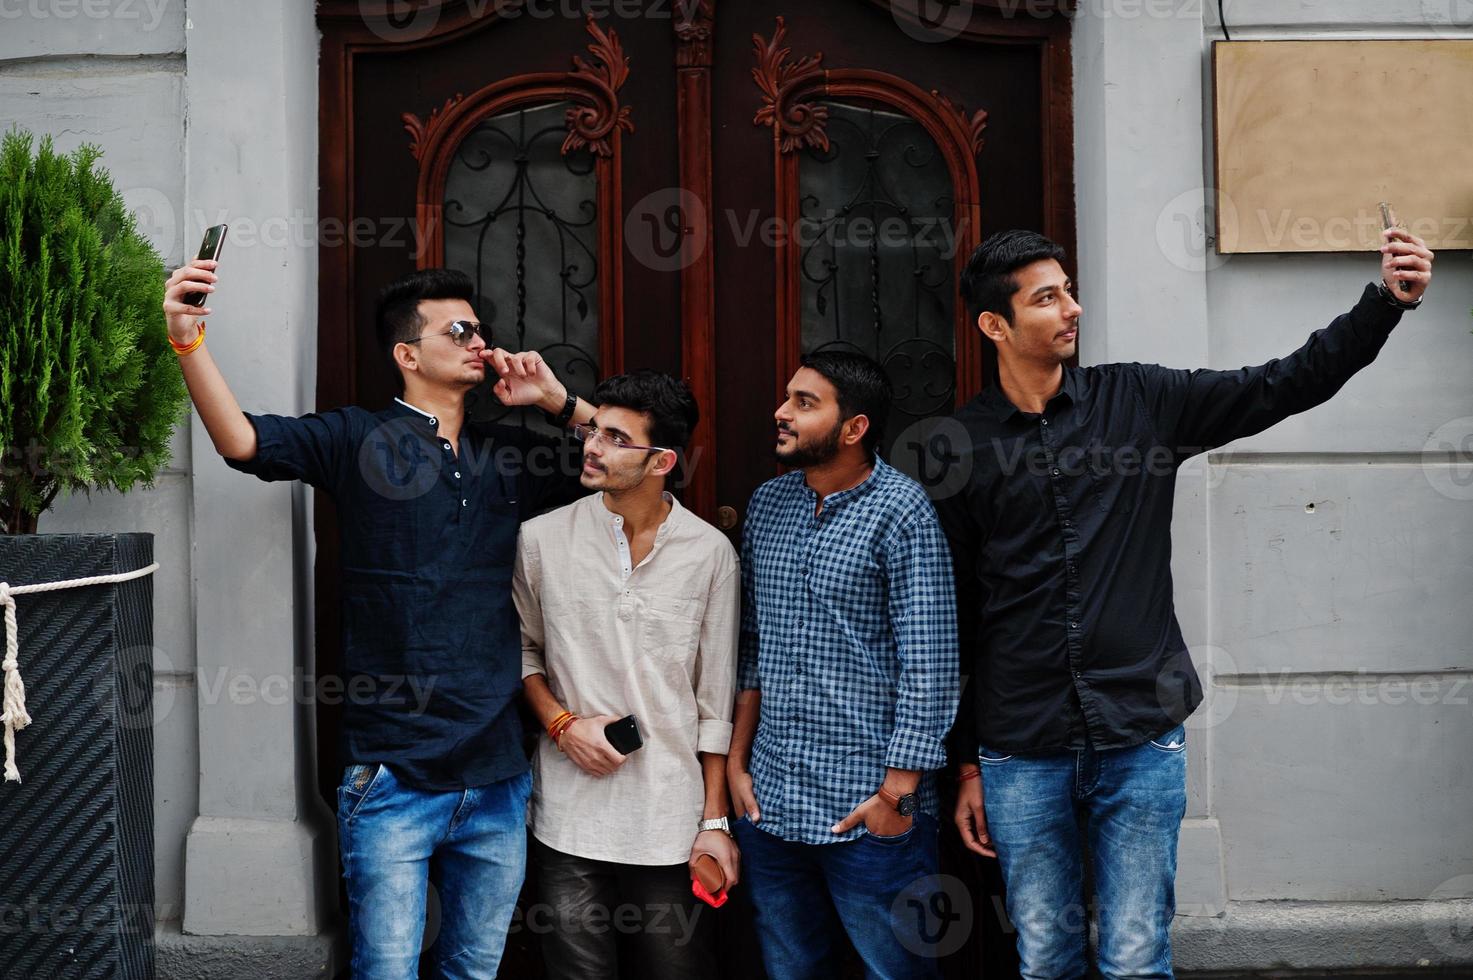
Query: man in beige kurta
x,y
629,606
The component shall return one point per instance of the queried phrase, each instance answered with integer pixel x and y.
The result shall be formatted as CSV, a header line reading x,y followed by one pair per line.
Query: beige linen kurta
x,y
657,641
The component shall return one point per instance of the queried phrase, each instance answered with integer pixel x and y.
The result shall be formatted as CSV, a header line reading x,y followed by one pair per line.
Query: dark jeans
x,y
584,907
1133,801
397,841
878,890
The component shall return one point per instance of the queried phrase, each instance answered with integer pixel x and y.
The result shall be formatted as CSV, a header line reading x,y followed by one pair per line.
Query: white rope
x,y
15,717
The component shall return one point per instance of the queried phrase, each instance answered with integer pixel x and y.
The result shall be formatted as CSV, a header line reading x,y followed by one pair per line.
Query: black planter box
x,y
76,834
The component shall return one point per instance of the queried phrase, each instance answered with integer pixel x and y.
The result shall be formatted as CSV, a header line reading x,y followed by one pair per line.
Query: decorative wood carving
x,y
976,123
694,23
593,87
595,121
791,92
788,106
420,132
590,125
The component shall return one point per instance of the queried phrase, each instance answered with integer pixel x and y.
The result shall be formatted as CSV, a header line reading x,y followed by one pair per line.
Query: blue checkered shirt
x,y
849,631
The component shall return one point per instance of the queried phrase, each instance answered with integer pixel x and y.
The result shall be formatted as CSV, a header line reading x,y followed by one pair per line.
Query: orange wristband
x,y
183,350
562,729
558,721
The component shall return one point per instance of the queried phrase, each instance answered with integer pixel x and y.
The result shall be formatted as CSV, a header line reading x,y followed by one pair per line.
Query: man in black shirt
x,y
1061,532
436,783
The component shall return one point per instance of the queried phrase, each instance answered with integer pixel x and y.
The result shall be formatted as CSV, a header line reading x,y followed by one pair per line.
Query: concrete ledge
x,y
1338,936
254,877
182,957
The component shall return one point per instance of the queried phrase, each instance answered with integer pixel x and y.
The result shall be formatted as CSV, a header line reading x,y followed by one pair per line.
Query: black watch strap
x,y
561,419
1393,300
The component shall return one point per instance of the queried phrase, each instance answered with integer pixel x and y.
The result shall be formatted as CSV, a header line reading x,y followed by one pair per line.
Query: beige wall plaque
x,y
1311,135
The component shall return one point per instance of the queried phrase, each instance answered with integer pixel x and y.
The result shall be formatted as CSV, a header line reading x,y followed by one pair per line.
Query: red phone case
x,y
699,891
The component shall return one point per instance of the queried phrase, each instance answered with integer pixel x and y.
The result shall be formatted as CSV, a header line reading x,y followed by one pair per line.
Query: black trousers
x,y
586,910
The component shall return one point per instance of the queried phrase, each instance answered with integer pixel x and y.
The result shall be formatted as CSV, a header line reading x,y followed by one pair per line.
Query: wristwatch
x,y
715,823
904,805
1393,300
561,419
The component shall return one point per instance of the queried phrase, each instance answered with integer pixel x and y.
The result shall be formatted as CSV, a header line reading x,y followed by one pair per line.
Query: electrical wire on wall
x,y
1222,19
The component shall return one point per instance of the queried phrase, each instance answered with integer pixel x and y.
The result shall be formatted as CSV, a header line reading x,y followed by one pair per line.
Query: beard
x,y
614,479
814,453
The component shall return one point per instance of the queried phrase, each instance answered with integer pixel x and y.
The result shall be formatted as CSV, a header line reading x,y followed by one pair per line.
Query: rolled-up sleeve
x,y
716,663
314,448
923,617
526,589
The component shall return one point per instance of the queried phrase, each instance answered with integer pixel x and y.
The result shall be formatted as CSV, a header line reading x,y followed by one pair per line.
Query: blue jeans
x,y
804,894
1127,804
471,845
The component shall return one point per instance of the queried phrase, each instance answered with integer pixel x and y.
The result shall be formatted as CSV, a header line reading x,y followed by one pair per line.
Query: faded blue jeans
x,y
878,890
1129,804
471,845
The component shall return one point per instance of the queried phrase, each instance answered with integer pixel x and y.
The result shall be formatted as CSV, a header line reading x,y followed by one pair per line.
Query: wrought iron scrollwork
x,y
877,240
521,218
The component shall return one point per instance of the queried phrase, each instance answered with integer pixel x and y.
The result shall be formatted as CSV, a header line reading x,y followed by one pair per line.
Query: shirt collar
x,y
993,396
878,474
615,521
430,419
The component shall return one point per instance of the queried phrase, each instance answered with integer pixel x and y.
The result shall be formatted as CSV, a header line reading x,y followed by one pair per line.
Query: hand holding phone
x,y
1388,221
209,250
708,881
189,288
624,735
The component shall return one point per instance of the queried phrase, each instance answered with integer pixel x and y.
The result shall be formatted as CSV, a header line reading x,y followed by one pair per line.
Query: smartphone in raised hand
x,y
1388,221
208,249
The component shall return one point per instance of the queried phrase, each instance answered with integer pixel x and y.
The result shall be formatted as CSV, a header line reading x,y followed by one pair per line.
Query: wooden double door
x,y
706,187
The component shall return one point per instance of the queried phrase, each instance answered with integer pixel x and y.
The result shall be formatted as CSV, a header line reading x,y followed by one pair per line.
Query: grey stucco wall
x,y
1341,547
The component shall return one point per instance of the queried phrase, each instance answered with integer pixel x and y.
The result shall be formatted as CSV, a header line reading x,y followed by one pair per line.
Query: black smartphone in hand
x,y
208,249
624,735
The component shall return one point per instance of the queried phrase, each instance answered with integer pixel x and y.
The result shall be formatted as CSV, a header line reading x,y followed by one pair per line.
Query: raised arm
x,y
1200,410
231,432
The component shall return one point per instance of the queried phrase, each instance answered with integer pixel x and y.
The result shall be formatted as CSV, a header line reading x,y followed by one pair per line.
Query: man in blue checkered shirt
x,y
847,672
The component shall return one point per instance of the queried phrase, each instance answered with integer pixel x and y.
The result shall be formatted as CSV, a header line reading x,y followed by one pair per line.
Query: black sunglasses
x,y
461,332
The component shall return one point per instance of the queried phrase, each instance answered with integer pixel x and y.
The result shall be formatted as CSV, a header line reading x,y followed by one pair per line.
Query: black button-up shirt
x,y
1060,525
431,642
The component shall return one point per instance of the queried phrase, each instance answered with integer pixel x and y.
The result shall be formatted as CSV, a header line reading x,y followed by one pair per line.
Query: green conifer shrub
x,y
89,388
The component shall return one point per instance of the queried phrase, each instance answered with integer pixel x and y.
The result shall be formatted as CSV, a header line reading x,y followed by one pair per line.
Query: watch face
x,y
907,805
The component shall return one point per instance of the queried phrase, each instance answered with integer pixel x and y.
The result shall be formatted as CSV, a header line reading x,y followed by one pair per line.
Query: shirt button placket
x,y
1072,637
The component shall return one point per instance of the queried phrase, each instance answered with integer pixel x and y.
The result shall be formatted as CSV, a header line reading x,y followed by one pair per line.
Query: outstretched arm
x,y
1196,411
231,432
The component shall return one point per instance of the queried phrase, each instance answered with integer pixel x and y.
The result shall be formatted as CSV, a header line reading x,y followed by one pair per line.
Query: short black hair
x,y
862,386
988,283
398,320
668,402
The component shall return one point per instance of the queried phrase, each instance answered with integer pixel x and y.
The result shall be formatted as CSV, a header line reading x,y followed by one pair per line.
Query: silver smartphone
x,y
1387,222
